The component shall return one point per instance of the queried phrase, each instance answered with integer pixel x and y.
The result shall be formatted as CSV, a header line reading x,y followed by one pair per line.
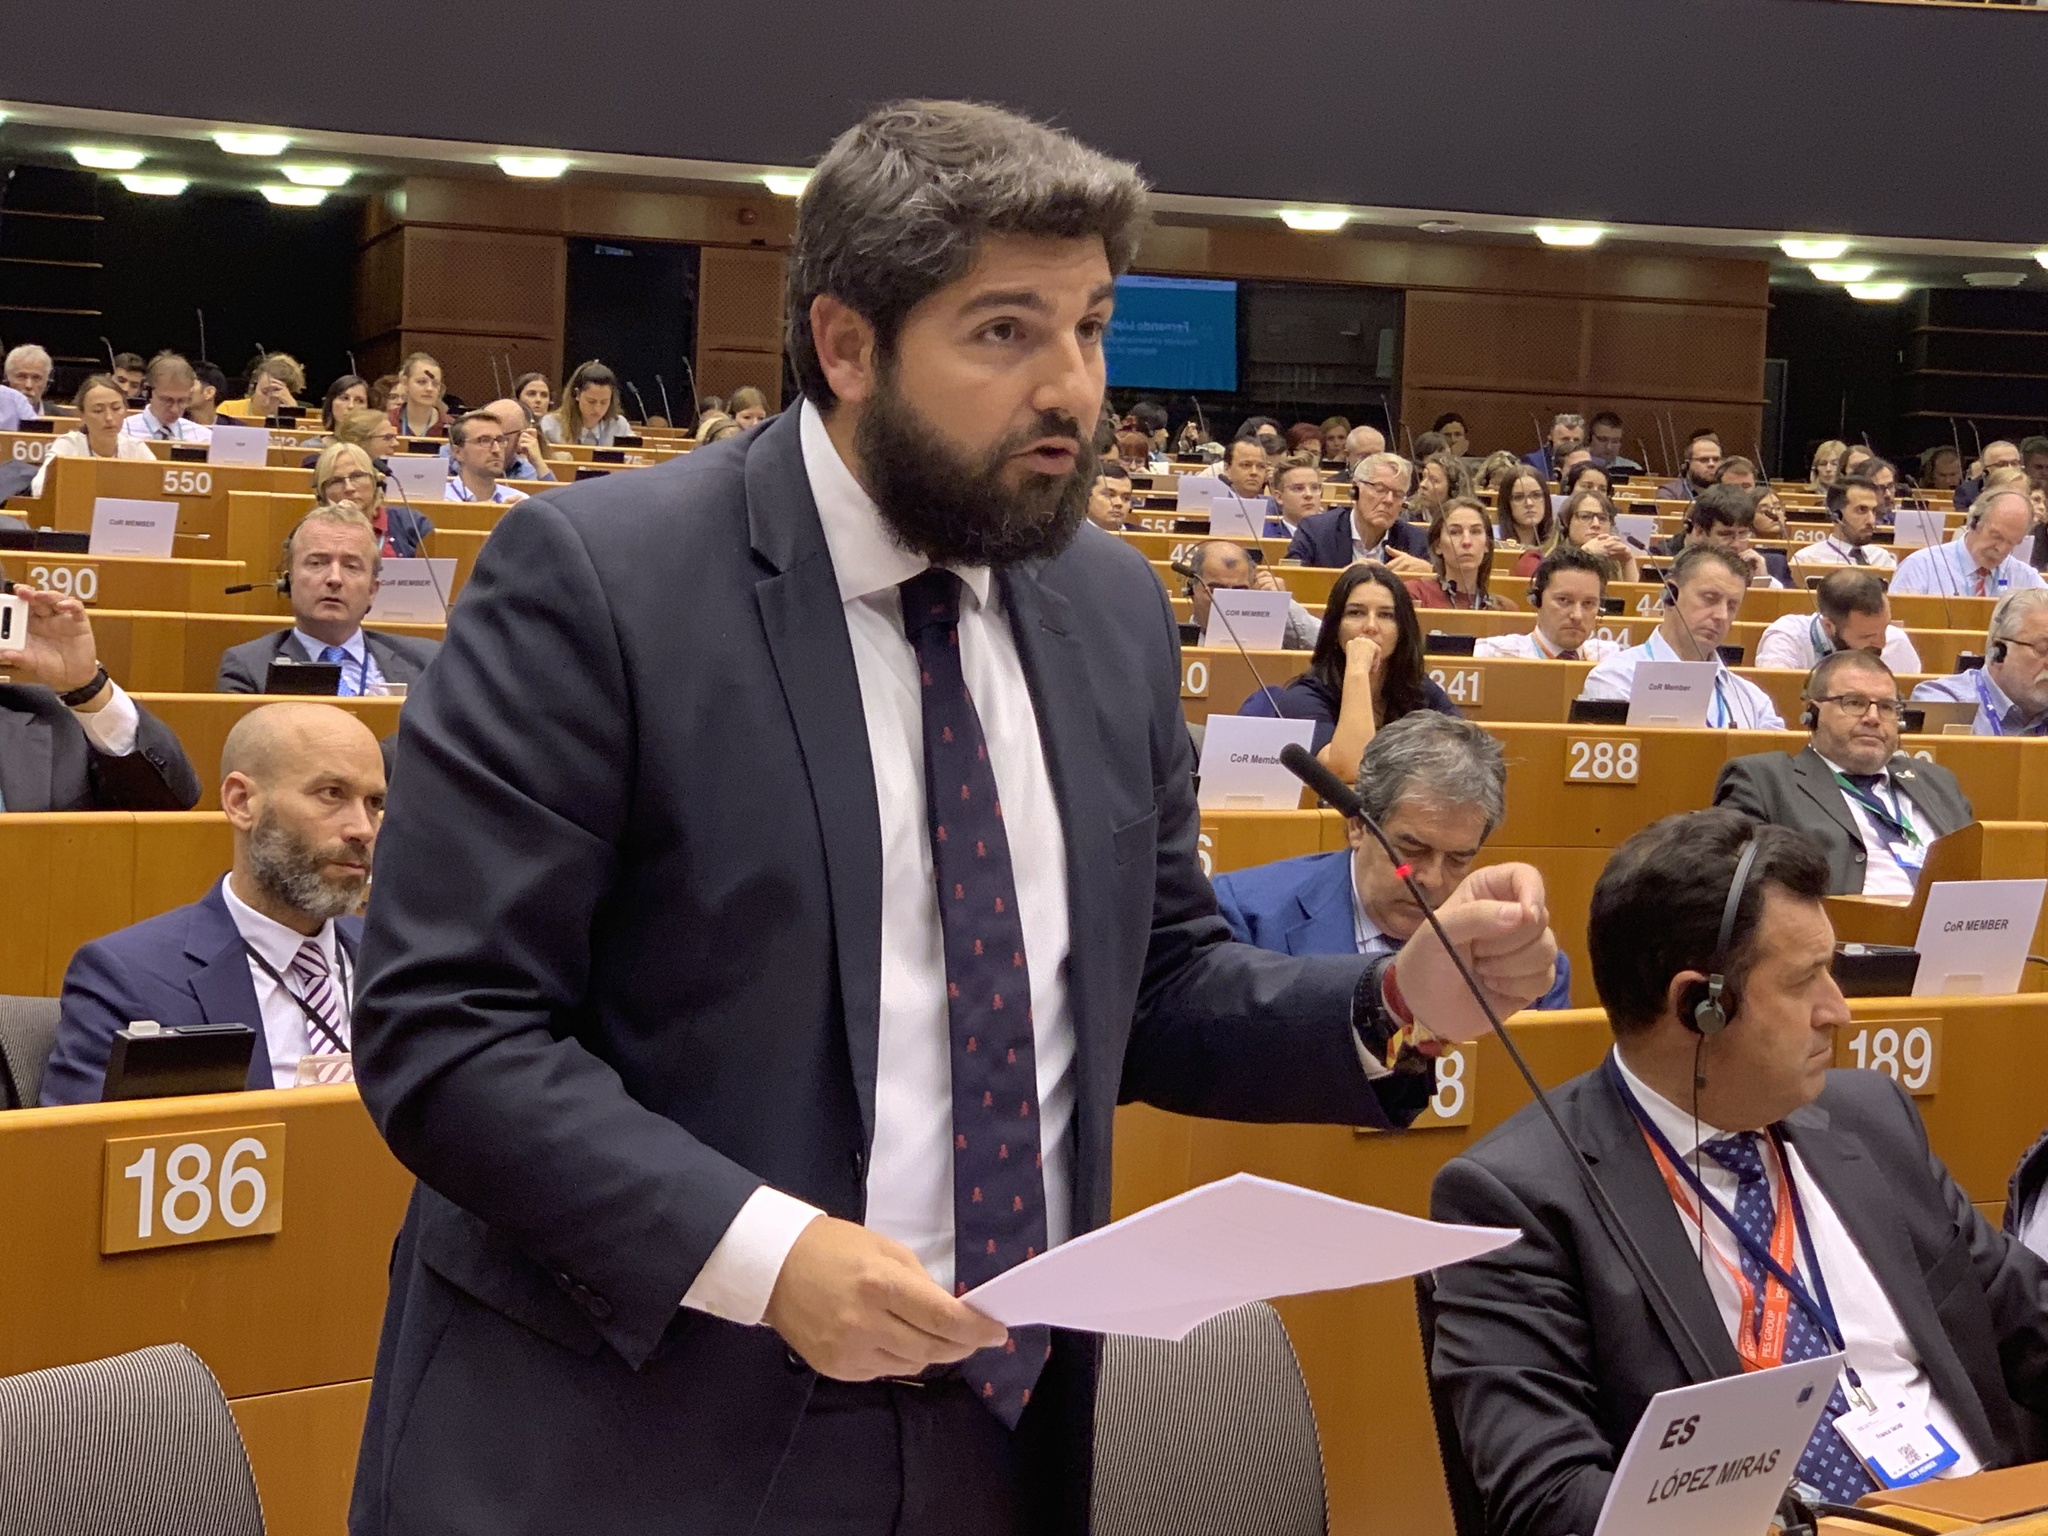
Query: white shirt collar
x,y
865,559
1673,1120
353,645
276,943
1364,929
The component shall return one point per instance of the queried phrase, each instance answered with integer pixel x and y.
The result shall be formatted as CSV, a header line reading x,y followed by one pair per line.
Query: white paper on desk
x,y
1193,493
1240,766
1240,616
1236,517
1974,936
1918,527
124,526
239,445
421,477
413,591
1636,530
1166,1270
1671,692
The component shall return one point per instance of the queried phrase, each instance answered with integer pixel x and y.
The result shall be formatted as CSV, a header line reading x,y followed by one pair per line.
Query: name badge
x,y
1899,1449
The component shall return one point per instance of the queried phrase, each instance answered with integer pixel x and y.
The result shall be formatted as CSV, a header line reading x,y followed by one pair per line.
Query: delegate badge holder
x,y
1898,1450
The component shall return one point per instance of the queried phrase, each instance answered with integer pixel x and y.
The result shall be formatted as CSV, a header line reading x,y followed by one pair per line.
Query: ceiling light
x,y
293,197
1842,271
1814,250
1877,293
1440,226
316,175
253,143
1315,221
786,186
2041,257
1994,279
533,167
155,186
107,159
1569,234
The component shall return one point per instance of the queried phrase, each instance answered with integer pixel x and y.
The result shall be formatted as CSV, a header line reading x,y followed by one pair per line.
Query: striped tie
x,y
316,989
1983,583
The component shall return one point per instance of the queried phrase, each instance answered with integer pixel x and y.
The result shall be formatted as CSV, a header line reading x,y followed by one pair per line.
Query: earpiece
x,y
1998,651
1535,596
1670,593
1809,717
1701,1009
284,567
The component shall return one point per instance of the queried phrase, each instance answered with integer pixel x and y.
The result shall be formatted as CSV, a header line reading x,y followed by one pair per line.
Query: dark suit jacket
x,y
623,967
186,966
1800,791
1548,1351
1302,906
48,763
243,668
1324,538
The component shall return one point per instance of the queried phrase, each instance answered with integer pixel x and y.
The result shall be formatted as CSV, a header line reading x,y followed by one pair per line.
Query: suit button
x,y
1859,858
860,1164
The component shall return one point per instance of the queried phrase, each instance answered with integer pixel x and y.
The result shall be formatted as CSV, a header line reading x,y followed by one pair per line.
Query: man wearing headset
x,y
1738,1161
1979,561
331,564
1870,809
1850,613
1565,592
1702,596
2011,689
1221,565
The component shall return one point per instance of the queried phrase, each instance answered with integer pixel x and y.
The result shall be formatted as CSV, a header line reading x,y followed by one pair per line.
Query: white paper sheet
x,y
1671,693
1167,1269
1974,936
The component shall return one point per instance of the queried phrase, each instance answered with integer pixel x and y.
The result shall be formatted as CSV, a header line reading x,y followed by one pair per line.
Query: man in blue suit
x,y
1371,528
1437,785
271,946
793,866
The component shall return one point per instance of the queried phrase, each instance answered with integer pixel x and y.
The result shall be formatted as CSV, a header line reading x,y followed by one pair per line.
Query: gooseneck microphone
x,y
1187,568
1303,766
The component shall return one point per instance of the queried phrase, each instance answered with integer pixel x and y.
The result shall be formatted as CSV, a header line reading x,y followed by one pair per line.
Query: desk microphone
x,y
667,409
433,579
1298,762
238,588
1187,568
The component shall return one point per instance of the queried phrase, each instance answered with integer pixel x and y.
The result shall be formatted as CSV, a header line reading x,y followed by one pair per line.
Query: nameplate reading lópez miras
x,y
1166,1270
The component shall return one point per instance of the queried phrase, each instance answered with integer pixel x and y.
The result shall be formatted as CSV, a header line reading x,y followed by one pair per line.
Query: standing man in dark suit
x,y
1370,529
71,739
1871,809
780,960
272,945
331,570
1547,1352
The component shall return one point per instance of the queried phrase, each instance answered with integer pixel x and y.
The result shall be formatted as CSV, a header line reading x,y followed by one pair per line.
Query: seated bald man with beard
x,y
273,945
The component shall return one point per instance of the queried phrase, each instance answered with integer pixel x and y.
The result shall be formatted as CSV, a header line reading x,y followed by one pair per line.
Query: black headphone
x,y
284,565
1701,1009
1670,592
1998,651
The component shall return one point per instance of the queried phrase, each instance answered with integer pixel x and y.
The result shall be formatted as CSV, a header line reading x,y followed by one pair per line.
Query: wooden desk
x,y
258,523
180,652
202,722
200,490
125,581
1360,1349
287,1322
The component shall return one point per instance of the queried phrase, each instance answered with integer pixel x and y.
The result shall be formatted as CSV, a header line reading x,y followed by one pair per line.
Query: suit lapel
x,y
222,984
1927,796
27,757
804,622
1326,925
1818,782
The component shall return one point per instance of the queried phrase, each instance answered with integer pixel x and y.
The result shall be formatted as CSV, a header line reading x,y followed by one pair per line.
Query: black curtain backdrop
x,y
1768,114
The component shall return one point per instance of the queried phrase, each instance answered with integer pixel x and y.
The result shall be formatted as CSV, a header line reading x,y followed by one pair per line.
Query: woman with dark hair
x,y
1461,549
1451,426
1365,672
1522,512
1586,476
535,395
1586,521
345,396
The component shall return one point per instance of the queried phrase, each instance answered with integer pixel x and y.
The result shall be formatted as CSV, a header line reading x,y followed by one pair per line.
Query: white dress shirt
x,y
1535,647
1794,642
501,494
361,667
1833,550
15,408
910,1169
1878,1349
73,445
1883,875
145,424
285,1026
1738,704
1950,570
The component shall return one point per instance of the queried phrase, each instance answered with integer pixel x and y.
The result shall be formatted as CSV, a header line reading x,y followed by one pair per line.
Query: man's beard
x,y
958,511
293,871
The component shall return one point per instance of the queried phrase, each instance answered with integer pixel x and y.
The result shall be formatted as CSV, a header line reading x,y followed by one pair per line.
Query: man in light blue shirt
x,y
15,408
172,388
2011,689
1979,561
1701,600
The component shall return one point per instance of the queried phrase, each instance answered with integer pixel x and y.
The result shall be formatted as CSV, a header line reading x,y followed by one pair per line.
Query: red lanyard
x,y
1759,1337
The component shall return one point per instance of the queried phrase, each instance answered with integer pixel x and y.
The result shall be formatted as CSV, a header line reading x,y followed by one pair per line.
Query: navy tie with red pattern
x,y
998,1182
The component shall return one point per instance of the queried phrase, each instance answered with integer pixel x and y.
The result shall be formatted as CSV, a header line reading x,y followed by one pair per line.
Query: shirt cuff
x,y
111,728
739,1277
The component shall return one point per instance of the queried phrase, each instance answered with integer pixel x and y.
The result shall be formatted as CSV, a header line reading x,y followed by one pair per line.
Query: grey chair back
x,y
1212,1436
28,1027
1468,1508
140,1444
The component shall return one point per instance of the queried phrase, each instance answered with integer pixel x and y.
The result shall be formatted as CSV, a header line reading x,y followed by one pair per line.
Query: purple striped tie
x,y
316,988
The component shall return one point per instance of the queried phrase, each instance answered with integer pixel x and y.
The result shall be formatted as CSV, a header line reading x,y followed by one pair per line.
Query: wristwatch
x,y
87,692
1386,1025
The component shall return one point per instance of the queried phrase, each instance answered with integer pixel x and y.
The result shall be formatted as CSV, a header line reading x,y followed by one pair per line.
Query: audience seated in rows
x,y
1851,613
1221,565
590,412
331,571
1461,554
1438,788
1853,506
1567,432
1979,561
1703,595
525,454
1869,808
71,739
172,384
1586,521
346,475
1371,528
2011,689
1566,591
417,408
273,945
98,434
476,450
1725,516
1366,671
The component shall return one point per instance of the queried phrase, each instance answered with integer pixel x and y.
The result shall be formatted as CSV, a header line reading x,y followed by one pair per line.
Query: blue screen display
x,y
1173,333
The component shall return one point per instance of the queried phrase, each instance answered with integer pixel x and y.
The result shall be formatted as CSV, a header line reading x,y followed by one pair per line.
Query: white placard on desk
x,y
1236,517
413,591
1671,693
1918,527
1192,493
1717,1457
239,445
1974,936
1635,530
423,477
124,527
1257,620
1241,768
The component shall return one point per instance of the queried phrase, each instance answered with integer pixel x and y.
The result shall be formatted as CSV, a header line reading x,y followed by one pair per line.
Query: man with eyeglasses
x,y
172,387
1871,809
476,446
1371,529
2011,689
1979,561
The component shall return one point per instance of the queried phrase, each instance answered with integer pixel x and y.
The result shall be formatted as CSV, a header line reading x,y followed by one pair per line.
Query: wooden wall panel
x,y
1489,340
1652,348
484,281
739,321
468,361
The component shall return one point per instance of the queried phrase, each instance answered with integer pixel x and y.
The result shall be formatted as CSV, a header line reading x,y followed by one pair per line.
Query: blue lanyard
x,y
1819,1306
1984,698
1721,709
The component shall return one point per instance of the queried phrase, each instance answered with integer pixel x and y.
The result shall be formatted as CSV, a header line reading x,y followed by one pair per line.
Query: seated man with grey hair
x,y
2011,689
1223,566
1372,528
27,372
1567,434
1437,785
1362,443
